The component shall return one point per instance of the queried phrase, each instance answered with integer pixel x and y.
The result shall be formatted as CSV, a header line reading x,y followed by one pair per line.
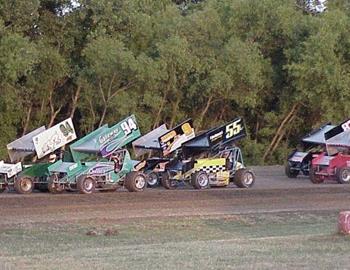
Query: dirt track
x,y
273,192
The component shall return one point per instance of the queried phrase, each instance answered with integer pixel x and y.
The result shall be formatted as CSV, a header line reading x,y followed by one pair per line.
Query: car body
x,y
211,159
99,161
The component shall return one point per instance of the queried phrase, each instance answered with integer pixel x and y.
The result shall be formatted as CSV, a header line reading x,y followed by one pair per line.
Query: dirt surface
x,y
273,192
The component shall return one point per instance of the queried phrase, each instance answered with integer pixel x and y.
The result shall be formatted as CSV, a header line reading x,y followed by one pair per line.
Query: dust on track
x,y
273,192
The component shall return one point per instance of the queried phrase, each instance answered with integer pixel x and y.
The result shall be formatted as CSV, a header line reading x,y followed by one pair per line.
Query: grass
x,y
262,241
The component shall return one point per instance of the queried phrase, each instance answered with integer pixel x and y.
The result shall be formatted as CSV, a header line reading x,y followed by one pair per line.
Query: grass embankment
x,y
256,241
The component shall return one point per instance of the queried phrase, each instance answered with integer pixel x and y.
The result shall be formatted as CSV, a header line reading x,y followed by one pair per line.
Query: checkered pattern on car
x,y
212,168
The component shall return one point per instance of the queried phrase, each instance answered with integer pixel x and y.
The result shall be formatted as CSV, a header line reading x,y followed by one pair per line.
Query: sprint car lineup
x,y
55,160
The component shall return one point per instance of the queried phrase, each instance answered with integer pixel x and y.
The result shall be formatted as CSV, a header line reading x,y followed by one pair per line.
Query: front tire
x,y
152,180
244,178
200,180
135,181
289,172
24,185
53,186
86,185
314,178
167,182
343,175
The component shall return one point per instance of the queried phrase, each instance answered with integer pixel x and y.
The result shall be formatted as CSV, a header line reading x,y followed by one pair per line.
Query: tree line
x,y
281,69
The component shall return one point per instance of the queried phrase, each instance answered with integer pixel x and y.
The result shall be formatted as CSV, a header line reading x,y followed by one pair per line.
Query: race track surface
x,y
273,192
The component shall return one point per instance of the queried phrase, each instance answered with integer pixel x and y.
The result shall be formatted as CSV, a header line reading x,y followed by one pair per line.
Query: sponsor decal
x,y
72,167
117,137
54,138
101,169
176,137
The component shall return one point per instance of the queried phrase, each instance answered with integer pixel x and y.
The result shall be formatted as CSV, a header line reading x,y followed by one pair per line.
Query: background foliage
x,y
97,61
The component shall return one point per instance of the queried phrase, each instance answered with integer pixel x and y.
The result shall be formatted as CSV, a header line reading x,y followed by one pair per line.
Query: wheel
x,y
244,178
314,178
24,185
167,182
200,180
53,186
135,181
152,180
289,172
343,175
86,185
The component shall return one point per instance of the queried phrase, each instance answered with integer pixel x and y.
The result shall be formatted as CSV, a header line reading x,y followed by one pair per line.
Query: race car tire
x,y
152,180
244,178
86,185
289,172
135,181
200,180
167,182
53,187
314,178
24,185
343,175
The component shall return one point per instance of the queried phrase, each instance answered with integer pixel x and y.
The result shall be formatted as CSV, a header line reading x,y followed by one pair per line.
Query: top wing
x,y
316,137
216,138
174,138
54,138
338,135
106,140
23,146
149,141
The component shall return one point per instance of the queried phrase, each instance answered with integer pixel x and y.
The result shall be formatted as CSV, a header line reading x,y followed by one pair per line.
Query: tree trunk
x,y
156,121
205,110
103,115
26,123
75,99
53,113
280,131
174,111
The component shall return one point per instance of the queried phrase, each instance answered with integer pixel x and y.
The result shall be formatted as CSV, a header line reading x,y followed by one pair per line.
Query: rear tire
x,y
315,179
200,180
24,185
86,185
244,178
152,180
53,186
343,175
135,181
289,172
167,182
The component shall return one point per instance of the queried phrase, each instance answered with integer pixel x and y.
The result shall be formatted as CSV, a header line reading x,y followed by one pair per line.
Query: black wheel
x,y
314,178
290,172
167,182
86,185
343,175
53,186
200,180
24,184
152,179
135,181
244,178
2,189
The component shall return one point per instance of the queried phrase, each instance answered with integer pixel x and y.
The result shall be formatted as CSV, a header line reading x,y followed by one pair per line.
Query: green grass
x,y
261,241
